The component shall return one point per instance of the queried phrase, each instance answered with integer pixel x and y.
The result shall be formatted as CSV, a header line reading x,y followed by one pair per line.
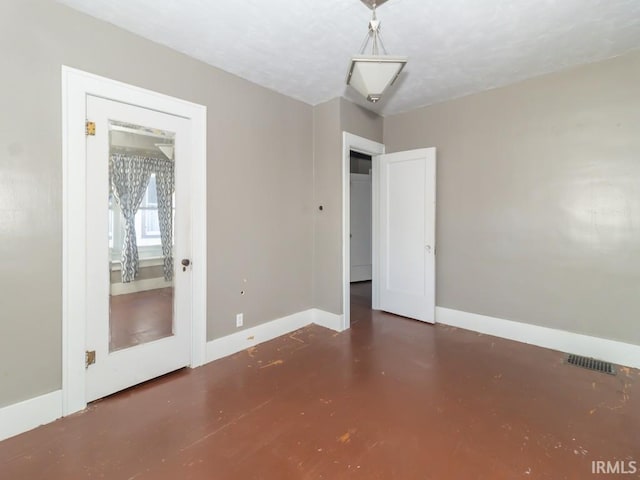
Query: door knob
x,y
185,263
428,248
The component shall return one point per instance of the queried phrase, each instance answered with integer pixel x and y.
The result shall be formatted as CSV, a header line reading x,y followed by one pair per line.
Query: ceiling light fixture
x,y
372,74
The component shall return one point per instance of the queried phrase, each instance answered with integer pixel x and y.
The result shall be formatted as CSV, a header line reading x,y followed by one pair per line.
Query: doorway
x,y
361,149
360,234
403,229
134,236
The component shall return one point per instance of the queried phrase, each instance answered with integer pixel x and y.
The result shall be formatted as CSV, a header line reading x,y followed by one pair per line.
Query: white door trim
x,y
369,147
76,85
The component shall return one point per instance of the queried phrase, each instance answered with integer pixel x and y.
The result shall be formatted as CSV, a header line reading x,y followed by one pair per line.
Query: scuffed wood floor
x,y
390,399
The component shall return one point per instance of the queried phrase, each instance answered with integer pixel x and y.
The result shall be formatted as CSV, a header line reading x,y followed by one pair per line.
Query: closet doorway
x,y
134,239
360,235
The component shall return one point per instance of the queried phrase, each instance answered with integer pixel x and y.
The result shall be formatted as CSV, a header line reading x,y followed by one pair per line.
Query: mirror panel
x,y
141,218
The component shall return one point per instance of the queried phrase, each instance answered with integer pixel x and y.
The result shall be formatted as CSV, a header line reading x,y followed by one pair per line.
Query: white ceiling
x,y
301,48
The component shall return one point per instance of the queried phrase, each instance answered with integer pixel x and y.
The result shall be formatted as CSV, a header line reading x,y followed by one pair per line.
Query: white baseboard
x,y
236,342
328,320
140,286
23,416
612,351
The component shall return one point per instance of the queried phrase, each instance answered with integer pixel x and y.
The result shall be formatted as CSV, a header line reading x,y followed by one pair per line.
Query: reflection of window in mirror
x,y
147,225
149,145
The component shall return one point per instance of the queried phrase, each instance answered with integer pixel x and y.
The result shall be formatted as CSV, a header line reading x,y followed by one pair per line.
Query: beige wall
x,y
538,213
330,119
364,123
327,181
260,226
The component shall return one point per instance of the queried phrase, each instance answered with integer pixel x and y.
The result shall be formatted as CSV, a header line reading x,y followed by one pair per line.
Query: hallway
x,y
390,399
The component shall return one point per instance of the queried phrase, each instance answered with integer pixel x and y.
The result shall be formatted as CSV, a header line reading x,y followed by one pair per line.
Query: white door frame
x,y
369,147
76,85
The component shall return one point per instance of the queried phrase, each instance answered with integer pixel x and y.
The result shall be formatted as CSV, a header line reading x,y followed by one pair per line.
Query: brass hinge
x,y
90,128
89,358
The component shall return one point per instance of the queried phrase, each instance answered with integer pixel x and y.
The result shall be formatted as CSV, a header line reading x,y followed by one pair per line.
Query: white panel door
x,y
134,345
407,233
360,220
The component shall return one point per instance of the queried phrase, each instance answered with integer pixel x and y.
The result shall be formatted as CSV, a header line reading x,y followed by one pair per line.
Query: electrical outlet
x,y
239,319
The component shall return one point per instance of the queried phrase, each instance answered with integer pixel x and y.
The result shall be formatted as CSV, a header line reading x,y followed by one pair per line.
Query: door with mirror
x,y
138,270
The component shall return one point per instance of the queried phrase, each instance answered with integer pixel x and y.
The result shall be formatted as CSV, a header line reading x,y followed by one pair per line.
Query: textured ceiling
x,y
301,48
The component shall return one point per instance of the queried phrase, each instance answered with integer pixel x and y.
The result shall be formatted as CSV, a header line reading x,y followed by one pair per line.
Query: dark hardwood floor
x,y
389,399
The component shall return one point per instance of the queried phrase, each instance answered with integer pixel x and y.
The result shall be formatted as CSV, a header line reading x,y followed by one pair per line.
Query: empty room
x,y
348,239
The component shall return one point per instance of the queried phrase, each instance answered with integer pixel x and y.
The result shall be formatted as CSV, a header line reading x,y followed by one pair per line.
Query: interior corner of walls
x,y
29,414
239,341
612,351
360,121
328,320
247,338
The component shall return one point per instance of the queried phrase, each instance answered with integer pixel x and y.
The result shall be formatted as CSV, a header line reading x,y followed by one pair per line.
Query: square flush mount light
x,y
372,74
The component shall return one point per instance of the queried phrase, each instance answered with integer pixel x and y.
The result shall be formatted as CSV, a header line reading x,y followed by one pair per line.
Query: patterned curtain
x,y
129,177
165,186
